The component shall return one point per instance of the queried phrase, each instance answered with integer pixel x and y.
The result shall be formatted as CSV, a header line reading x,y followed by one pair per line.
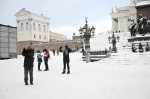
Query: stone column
x,y
125,24
113,25
116,26
119,24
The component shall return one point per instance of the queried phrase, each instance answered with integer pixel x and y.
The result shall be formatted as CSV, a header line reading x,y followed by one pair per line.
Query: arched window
x,y
33,26
44,28
39,27
21,26
27,26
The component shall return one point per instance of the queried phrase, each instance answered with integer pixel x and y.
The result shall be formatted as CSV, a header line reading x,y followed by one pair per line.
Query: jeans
x,y
26,70
39,64
67,66
46,65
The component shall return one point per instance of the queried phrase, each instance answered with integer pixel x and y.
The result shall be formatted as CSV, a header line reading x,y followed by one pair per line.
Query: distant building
x,y
76,38
31,26
55,36
121,17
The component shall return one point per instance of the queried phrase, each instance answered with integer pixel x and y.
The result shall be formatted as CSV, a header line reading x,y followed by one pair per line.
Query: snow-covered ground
x,y
125,75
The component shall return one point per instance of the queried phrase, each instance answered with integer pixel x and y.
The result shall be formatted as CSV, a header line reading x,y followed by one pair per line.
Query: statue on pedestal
x,y
147,48
141,25
133,48
133,28
140,48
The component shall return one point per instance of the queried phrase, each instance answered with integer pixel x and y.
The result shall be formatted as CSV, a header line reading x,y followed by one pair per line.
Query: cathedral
x,y
121,17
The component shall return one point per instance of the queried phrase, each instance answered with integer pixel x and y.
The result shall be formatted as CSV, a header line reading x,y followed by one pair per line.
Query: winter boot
x,y
31,83
39,70
68,72
46,69
26,82
63,72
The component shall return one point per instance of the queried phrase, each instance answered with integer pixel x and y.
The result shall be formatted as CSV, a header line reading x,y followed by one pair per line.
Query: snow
x,y
124,75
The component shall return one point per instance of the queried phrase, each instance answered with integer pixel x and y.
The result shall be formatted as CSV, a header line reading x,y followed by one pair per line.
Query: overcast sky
x,y
66,16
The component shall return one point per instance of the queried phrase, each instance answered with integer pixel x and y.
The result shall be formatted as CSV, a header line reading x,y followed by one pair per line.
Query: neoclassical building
x,y
121,17
31,26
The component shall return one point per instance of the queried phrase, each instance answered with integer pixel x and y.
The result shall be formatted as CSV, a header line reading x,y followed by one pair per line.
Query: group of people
x,y
55,51
29,59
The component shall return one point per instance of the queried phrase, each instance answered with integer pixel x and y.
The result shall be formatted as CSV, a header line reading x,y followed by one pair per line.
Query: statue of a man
x,y
140,22
132,28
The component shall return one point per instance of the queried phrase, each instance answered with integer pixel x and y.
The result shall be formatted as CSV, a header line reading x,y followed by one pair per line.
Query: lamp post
x,y
114,43
86,33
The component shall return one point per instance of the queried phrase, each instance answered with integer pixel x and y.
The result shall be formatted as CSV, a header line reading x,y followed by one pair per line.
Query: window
x,y
44,37
33,26
34,36
27,26
39,36
21,26
39,27
44,29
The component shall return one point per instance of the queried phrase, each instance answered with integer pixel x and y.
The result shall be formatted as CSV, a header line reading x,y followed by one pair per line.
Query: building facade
x,y
31,26
55,36
121,17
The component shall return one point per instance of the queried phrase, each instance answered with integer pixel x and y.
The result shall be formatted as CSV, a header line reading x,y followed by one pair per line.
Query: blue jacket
x,y
39,58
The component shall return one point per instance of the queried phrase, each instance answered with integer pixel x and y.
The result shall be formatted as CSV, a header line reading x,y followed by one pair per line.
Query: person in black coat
x,y
66,59
28,64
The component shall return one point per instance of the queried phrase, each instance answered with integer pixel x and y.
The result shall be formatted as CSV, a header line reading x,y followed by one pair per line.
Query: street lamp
x,y
114,43
86,33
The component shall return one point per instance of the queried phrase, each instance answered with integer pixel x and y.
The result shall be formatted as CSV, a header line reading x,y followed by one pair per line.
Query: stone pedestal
x,y
88,59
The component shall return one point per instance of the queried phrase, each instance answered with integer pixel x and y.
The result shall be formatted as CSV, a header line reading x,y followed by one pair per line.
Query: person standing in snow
x,y
39,59
57,52
66,59
46,57
53,52
28,64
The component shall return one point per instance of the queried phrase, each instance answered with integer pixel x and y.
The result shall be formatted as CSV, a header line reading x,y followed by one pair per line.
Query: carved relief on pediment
x,y
23,13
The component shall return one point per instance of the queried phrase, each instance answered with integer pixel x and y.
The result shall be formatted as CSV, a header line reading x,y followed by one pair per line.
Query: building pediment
x,y
22,12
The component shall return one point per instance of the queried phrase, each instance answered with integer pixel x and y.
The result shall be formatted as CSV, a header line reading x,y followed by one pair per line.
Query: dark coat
x,y
29,59
65,54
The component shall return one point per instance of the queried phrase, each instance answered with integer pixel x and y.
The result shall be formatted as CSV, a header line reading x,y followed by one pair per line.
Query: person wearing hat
x,y
28,64
66,58
39,59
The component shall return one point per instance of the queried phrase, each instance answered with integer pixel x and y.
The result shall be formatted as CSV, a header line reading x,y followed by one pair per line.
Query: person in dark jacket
x,y
28,64
39,59
66,59
53,52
